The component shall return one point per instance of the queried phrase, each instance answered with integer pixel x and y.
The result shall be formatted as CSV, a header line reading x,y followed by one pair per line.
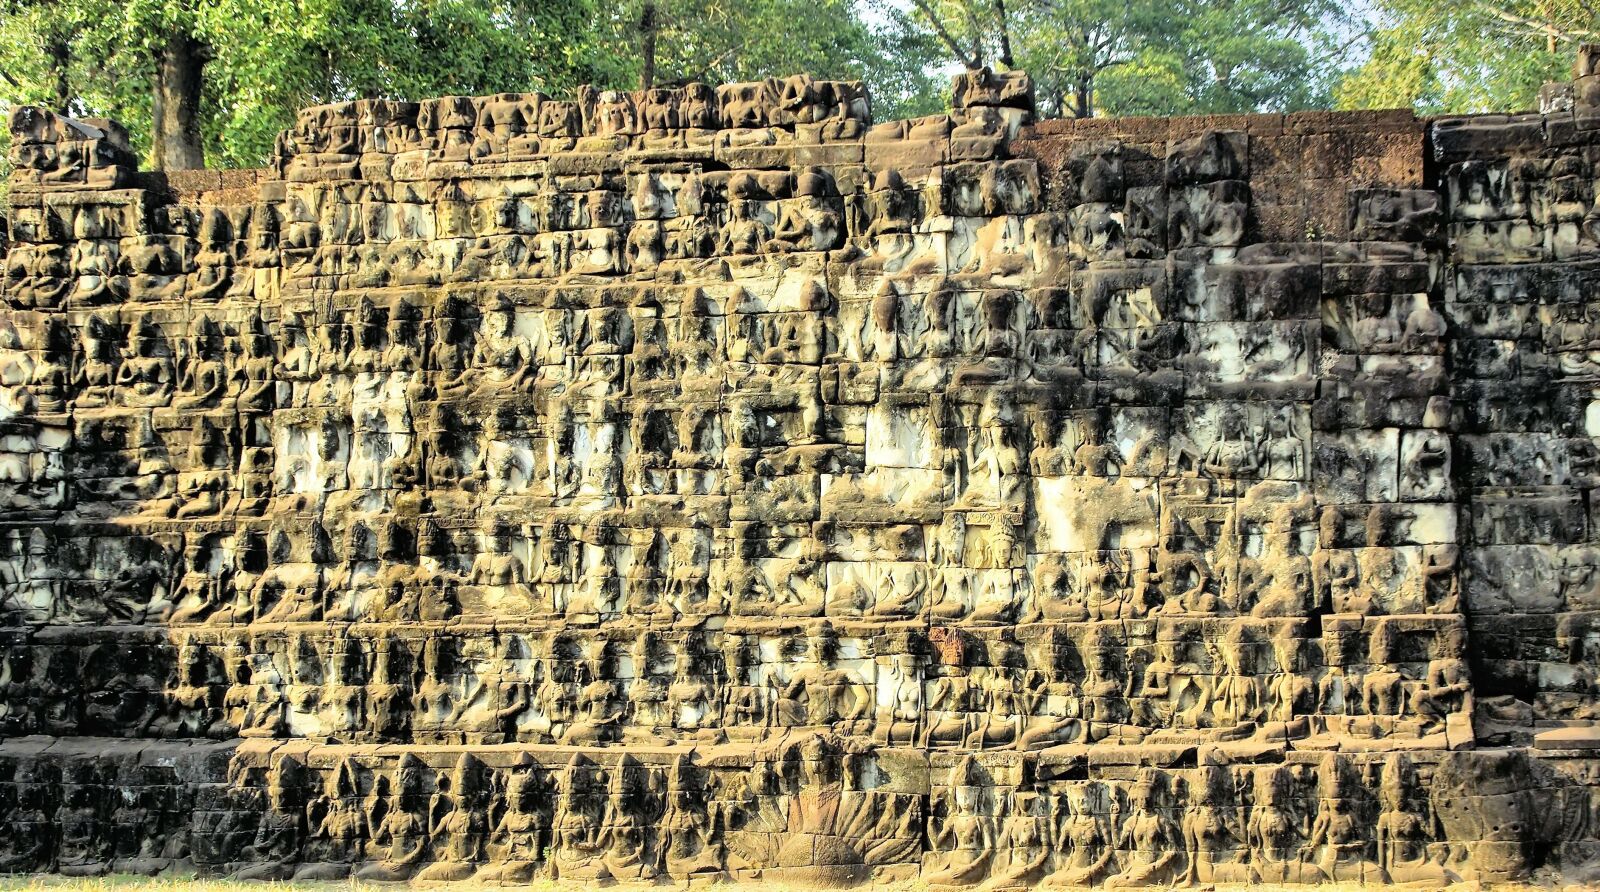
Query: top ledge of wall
x,y
1255,124
788,122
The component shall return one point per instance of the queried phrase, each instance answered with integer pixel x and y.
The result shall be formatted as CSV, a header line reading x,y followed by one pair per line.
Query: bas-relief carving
x,y
707,482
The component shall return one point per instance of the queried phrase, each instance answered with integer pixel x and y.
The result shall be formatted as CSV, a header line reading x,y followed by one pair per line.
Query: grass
x,y
128,883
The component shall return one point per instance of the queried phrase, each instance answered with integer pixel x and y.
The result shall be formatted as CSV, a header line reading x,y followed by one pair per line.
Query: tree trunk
x,y
1006,59
647,46
1084,95
175,143
60,52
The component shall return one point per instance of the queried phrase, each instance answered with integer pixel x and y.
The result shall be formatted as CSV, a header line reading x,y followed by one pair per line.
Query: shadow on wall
x,y
112,735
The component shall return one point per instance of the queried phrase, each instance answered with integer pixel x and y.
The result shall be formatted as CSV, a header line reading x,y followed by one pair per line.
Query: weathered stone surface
x,y
709,482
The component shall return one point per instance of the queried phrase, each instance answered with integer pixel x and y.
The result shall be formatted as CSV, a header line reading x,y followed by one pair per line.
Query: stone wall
x,y
709,482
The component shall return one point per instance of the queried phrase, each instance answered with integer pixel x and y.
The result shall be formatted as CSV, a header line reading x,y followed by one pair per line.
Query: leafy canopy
x,y
1479,56
268,58
1145,56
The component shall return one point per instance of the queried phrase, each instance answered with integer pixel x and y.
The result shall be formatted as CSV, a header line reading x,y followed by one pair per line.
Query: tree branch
x,y
944,35
704,74
977,33
1006,58
1536,27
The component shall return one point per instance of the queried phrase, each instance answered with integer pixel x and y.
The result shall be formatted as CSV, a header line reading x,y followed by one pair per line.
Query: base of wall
x,y
806,807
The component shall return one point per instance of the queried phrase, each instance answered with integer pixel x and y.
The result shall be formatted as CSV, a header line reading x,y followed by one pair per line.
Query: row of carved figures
x,y
204,465
983,695
200,364
666,576
803,805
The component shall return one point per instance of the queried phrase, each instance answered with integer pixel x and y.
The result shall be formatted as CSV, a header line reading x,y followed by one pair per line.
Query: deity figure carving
x,y
1405,838
397,824
1339,844
963,836
576,849
275,850
456,823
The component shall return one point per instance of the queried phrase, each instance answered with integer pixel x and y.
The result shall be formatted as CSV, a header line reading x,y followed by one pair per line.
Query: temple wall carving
x,y
712,482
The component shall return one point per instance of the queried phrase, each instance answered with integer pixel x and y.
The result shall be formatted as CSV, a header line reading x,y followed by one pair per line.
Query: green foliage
x,y
903,80
722,41
1146,56
269,58
1487,55
272,57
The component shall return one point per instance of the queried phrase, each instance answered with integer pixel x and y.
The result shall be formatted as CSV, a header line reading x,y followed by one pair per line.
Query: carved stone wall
x,y
709,482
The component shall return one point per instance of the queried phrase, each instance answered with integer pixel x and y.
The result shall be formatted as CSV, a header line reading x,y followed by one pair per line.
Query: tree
x,y
657,42
217,79
1145,56
36,54
180,61
1487,55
